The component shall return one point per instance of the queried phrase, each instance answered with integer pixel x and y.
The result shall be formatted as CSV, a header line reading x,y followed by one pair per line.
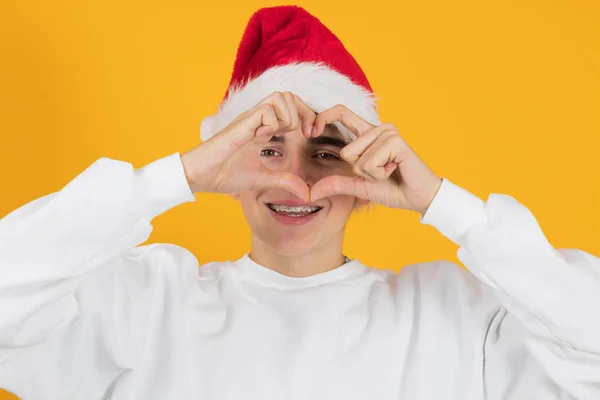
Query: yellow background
x,y
499,97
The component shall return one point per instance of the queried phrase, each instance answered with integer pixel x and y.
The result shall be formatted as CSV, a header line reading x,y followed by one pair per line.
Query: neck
x,y
315,261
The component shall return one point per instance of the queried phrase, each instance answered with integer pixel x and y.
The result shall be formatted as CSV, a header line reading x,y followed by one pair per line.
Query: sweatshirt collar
x,y
263,276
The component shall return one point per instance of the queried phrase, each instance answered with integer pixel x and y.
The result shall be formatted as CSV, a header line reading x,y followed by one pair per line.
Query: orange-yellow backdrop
x,y
499,97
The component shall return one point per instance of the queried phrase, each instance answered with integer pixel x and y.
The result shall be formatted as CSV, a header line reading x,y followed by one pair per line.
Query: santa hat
x,y
287,49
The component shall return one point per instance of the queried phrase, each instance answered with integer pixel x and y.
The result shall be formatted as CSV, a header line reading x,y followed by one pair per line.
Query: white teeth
x,y
294,209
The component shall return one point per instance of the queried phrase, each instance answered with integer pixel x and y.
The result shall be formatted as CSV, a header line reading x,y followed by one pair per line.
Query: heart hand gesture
x,y
227,163
388,171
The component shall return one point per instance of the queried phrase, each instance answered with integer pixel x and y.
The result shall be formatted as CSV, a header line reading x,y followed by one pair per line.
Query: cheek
x,y
342,205
249,201
338,168
271,162
343,169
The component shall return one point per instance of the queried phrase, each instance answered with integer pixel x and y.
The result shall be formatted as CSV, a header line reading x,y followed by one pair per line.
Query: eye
x,y
327,156
269,153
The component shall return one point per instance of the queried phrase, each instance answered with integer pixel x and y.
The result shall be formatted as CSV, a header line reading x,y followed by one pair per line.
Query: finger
x,y
282,180
267,121
390,168
307,116
259,121
334,185
343,115
358,171
377,156
281,110
290,102
352,151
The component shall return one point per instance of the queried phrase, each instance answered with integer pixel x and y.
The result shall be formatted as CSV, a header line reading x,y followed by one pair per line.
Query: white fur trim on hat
x,y
319,87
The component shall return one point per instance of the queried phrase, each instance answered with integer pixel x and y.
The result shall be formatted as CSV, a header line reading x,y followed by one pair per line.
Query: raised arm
x,y
69,261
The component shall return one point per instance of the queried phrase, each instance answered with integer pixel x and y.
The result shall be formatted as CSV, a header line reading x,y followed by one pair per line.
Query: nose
x,y
299,165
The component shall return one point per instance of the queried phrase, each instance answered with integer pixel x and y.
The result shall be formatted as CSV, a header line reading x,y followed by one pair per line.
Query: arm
x,y
554,294
48,250
74,293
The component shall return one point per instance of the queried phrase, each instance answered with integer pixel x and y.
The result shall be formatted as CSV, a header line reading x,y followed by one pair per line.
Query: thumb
x,y
282,180
334,185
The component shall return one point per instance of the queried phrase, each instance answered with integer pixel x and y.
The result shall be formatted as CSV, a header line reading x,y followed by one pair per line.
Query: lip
x,y
292,221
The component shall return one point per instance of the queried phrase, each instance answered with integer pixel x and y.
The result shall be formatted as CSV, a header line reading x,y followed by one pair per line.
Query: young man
x,y
86,313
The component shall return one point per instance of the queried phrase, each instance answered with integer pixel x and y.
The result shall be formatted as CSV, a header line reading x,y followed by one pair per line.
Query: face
x,y
282,221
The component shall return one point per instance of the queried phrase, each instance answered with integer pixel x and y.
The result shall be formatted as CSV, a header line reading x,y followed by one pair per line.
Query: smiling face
x,y
283,222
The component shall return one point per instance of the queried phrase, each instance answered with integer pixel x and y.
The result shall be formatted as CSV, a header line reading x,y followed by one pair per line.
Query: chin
x,y
290,245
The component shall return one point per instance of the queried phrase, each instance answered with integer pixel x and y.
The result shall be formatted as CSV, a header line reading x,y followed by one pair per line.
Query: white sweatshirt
x,y
85,314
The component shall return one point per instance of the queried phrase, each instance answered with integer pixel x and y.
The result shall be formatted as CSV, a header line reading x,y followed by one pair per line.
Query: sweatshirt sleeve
x,y
554,294
47,249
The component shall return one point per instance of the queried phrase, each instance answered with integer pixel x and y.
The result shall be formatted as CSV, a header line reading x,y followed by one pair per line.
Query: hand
x,y
227,162
389,171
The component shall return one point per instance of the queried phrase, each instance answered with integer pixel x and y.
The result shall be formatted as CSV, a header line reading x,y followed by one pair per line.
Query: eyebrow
x,y
319,140
327,140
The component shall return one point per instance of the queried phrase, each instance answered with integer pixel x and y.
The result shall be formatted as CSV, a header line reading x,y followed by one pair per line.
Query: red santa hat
x,y
287,49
